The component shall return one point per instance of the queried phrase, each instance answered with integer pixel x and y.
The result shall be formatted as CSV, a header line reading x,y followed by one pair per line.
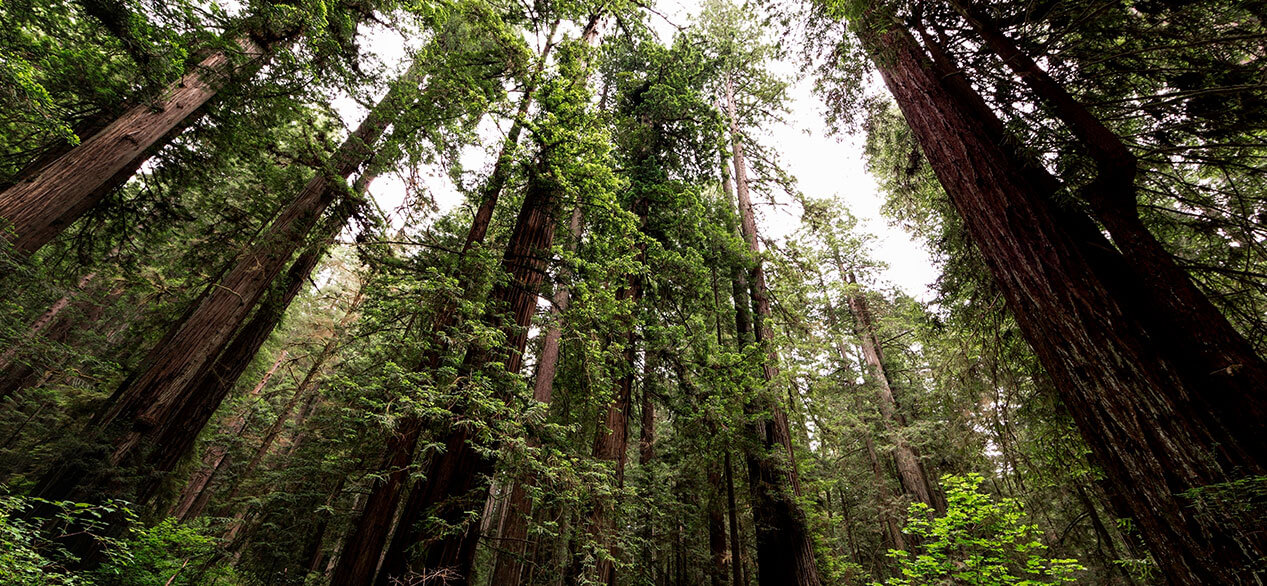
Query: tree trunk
x,y
453,477
39,207
513,533
891,524
149,421
716,530
363,549
1156,423
43,321
301,392
736,541
785,553
214,458
910,468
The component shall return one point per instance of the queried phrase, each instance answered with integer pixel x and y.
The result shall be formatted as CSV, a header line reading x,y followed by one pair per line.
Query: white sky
x,y
824,166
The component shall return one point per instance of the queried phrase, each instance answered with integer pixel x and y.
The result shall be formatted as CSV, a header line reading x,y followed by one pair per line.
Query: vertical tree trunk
x,y
39,207
716,530
1158,425
785,553
362,550
736,541
513,533
915,480
452,477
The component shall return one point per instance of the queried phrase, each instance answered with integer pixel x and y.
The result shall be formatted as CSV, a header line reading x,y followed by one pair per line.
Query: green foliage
x,y
33,549
980,541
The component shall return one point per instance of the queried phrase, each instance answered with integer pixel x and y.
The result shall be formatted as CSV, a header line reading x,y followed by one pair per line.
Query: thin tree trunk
x,y
214,458
44,320
785,553
891,525
1158,423
911,472
301,392
39,207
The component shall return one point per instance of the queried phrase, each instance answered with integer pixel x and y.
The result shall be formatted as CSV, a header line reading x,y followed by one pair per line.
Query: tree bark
x,y
1157,424
39,207
910,467
718,555
508,568
736,540
187,506
153,419
785,553
359,560
452,479
301,392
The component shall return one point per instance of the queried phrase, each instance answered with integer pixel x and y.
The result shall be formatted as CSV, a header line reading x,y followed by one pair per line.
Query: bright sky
x,y
824,166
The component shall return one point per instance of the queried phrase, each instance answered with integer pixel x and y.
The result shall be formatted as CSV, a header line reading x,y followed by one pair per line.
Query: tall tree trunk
x,y
39,207
1157,424
43,321
910,468
785,553
452,480
736,540
456,475
612,441
214,458
716,530
213,385
513,533
889,521
301,392
148,422
359,560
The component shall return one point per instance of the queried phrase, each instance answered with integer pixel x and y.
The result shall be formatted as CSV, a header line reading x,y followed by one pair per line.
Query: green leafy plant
x,y
979,541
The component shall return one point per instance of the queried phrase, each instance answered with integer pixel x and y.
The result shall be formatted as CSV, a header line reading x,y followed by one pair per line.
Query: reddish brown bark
x,y
359,560
910,468
1162,423
153,419
454,477
736,540
40,206
785,553
718,554
452,482
194,496
512,536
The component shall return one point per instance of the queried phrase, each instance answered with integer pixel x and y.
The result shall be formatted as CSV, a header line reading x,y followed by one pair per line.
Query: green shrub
x,y
979,541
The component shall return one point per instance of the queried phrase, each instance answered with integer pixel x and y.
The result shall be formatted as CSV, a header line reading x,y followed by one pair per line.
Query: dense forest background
x,y
570,345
